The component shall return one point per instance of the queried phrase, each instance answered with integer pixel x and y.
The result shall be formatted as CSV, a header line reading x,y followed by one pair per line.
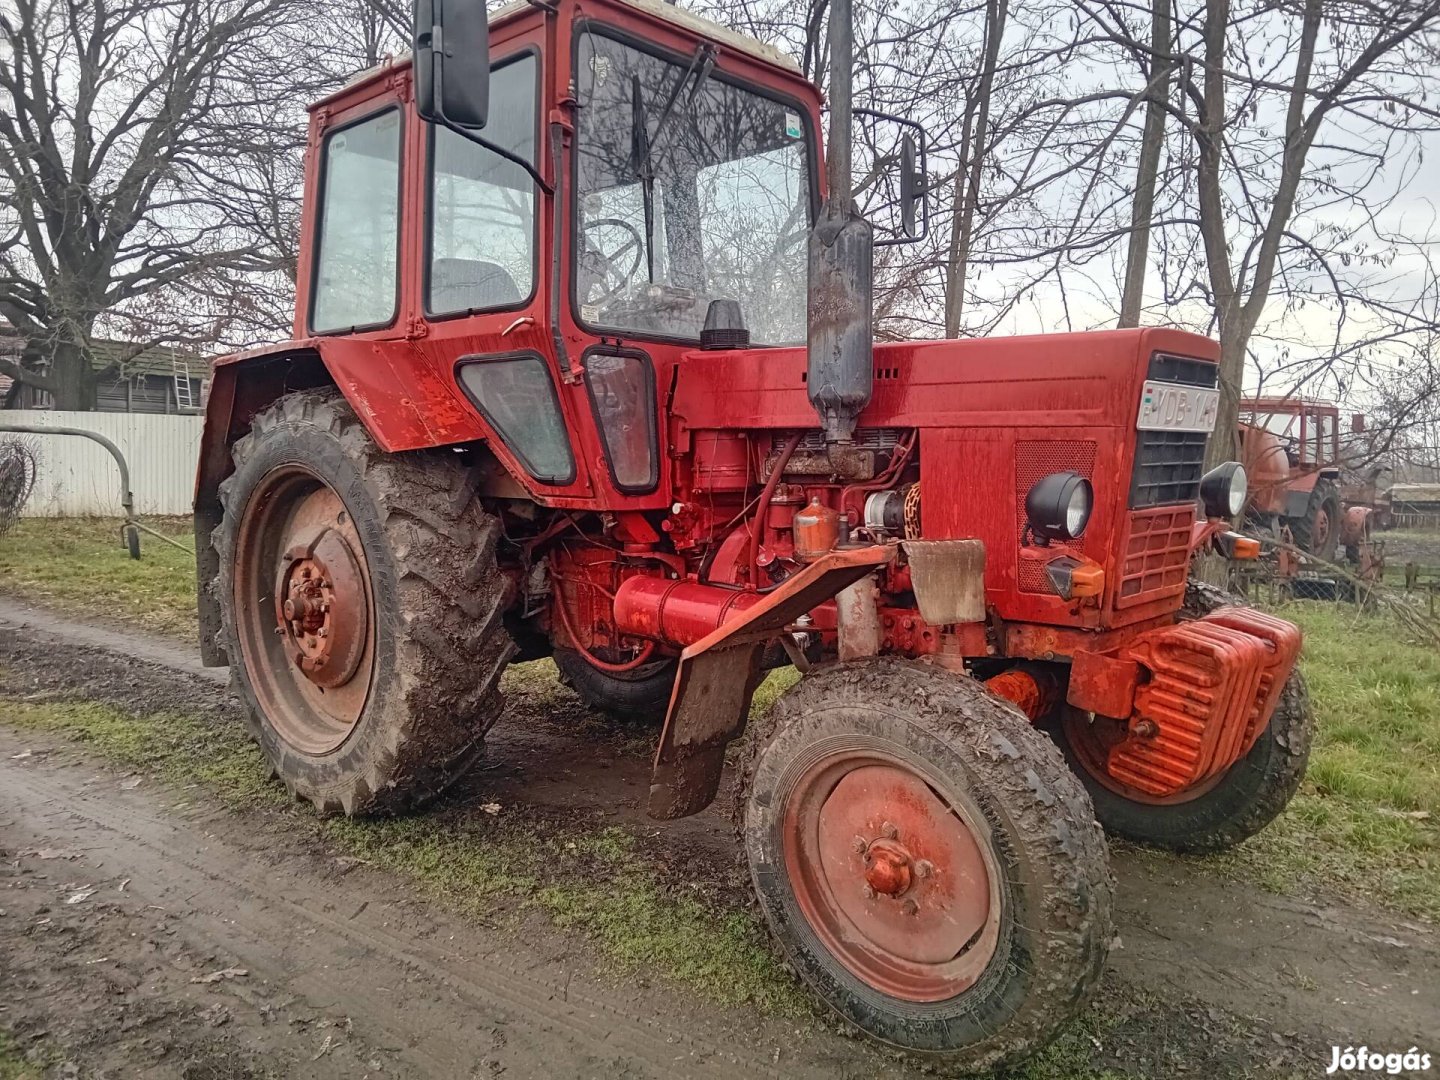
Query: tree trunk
x,y
73,377
972,163
1152,141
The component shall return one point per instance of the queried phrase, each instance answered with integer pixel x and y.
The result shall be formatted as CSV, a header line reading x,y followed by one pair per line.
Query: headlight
x,y
1059,506
1223,490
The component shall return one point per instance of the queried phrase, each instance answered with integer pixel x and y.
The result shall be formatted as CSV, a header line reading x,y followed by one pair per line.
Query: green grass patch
x,y
13,1064
80,566
597,881
1367,818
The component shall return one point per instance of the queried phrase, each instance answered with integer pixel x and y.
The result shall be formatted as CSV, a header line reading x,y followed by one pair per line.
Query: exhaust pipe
x,y
840,298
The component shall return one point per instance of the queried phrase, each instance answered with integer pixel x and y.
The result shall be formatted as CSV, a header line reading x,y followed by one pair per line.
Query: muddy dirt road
x,y
128,911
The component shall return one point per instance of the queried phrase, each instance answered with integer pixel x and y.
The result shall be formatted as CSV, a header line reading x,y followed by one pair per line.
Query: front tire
x,y
927,862
1241,802
361,608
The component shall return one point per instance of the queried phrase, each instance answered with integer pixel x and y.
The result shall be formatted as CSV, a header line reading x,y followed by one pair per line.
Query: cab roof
x,y
676,16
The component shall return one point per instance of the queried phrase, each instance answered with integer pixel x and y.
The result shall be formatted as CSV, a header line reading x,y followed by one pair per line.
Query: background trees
x,y
1253,169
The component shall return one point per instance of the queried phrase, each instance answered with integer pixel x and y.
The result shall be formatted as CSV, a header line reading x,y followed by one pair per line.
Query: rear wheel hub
x,y
303,609
322,610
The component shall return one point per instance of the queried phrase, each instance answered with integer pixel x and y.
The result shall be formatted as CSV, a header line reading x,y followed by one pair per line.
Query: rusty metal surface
x,y
1033,689
891,875
717,675
949,579
857,619
304,612
1102,683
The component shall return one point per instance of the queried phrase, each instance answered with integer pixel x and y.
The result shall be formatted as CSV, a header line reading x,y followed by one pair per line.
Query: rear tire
x,y
1318,532
423,585
1010,922
639,697
1244,800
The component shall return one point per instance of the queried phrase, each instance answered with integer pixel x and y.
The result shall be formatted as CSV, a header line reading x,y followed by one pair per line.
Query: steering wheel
x,y
607,269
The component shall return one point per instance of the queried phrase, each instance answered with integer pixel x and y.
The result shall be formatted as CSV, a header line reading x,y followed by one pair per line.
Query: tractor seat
x,y
466,284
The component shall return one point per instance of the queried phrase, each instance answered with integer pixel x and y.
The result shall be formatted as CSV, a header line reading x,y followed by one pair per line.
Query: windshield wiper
x,y
642,146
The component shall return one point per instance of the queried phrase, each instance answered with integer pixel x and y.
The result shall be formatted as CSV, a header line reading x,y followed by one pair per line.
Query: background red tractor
x,y
583,367
1302,480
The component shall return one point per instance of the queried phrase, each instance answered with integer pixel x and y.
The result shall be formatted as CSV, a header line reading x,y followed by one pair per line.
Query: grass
x,y
597,882
13,1065
1367,818
79,566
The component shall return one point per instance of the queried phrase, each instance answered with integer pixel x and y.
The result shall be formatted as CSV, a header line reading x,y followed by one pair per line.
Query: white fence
x,y
78,477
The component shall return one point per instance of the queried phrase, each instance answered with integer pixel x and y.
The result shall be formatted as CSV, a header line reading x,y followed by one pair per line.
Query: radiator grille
x,y
1034,459
1168,464
1156,557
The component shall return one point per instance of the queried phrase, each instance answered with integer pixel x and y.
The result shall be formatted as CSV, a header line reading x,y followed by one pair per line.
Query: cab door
x,y
480,288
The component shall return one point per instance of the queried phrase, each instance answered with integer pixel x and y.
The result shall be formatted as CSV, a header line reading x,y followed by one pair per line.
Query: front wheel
x,y
1216,815
927,862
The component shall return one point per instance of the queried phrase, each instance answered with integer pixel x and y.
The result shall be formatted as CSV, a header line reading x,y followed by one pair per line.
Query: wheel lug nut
x,y
859,845
889,831
924,868
910,907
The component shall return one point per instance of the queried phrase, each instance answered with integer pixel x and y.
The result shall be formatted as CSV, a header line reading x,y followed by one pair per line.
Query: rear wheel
x,y
361,608
1223,811
927,862
1318,532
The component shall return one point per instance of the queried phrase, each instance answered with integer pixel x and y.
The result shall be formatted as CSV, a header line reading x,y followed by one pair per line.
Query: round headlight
x,y
1058,506
1223,490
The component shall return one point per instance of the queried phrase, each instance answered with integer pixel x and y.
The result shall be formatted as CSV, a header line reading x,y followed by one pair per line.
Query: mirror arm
x,y
499,151
924,167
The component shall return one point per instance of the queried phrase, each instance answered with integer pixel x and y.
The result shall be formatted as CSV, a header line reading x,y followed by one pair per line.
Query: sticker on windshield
x,y
792,125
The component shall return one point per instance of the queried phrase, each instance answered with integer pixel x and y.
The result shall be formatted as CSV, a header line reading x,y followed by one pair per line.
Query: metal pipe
x,y
763,510
127,497
842,64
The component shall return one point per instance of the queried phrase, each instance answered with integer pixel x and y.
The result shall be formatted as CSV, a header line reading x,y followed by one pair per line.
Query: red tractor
x,y
1293,456
583,367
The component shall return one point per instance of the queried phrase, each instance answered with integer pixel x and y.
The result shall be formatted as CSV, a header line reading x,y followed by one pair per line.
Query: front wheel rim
x,y
304,611
892,876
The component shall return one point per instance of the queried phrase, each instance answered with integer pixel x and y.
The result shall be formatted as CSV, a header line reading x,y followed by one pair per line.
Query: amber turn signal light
x,y
1234,546
1075,578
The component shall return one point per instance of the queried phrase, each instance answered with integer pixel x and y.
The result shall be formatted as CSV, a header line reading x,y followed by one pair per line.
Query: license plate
x,y
1171,407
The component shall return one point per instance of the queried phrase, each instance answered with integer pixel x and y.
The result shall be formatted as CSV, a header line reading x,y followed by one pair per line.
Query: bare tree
x,y
126,127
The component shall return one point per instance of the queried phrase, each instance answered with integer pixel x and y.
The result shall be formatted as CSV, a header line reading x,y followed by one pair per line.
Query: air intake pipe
x,y
840,301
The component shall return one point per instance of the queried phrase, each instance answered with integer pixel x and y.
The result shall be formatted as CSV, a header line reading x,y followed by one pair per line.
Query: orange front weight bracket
x,y
717,677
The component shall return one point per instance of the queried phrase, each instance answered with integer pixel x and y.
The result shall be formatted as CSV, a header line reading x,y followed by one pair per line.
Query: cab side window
x,y
358,244
482,207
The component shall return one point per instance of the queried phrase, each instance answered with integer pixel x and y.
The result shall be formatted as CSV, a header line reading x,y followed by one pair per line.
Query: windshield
x,y
689,189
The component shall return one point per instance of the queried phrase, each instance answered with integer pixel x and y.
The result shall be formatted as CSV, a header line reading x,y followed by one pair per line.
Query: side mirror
x,y
913,199
897,201
452,62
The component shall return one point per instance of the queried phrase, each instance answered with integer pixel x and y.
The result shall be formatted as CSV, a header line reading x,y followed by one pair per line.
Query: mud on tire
x,y
1034,821
1246,799
439,646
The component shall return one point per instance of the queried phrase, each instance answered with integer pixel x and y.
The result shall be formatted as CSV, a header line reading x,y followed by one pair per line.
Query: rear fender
x,y
402,405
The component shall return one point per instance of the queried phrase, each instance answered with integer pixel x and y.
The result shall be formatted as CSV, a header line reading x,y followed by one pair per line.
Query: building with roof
x,y
130,379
